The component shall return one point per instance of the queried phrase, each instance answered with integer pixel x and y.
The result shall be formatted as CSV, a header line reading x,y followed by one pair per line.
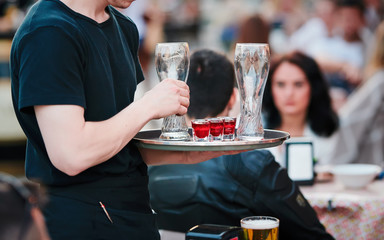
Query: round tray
x,y
150,139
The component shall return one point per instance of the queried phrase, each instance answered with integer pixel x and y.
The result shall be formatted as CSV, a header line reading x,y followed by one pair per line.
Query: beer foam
x,y
259,224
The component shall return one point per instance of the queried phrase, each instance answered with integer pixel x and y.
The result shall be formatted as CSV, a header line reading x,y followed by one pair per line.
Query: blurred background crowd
x,y
337,34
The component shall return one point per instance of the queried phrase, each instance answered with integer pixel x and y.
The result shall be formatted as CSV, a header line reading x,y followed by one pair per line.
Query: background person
x,y
296,100
360,138
253,29
284,17
320,26
225,189
342,56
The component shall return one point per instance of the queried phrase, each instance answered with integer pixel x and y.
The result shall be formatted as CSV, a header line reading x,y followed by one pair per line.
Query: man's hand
x,y
167,98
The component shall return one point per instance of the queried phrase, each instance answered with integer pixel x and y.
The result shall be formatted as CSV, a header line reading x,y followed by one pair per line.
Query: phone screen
x,y
299,159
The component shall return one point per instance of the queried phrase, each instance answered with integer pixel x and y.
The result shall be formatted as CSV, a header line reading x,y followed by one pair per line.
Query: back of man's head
x,y
211,81
16,197
11,211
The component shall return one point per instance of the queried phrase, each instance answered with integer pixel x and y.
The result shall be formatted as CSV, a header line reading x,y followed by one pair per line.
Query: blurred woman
x,y
361,134
296,100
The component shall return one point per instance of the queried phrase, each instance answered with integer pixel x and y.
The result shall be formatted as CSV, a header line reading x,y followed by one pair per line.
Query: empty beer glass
x,y
252,67
172,61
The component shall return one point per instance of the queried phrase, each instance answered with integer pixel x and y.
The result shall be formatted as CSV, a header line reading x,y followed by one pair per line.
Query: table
x,y
348,213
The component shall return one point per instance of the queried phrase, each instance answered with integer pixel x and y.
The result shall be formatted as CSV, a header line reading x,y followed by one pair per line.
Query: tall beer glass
x,y
260,228
252,67
172,61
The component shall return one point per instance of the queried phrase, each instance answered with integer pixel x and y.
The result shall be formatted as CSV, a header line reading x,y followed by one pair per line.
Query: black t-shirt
x,y
58,57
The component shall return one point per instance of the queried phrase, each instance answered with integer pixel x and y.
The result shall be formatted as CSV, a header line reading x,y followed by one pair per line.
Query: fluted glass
x,y
251,67
172,61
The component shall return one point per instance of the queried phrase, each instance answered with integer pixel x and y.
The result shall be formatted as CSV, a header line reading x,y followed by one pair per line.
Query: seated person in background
x,y
223,190
342,55
20,216
296,100
319,26
360,138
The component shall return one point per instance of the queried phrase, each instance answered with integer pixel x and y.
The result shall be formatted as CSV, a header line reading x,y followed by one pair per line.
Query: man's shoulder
x,y
248,163
49,14
251,159
252,162
47,19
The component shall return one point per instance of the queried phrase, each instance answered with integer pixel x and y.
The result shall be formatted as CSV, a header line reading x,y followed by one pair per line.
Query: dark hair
x,y
254,29
358,4
321,117
17,197
211,81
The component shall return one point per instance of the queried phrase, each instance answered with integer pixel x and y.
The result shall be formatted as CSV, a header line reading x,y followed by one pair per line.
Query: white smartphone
x,y
300,162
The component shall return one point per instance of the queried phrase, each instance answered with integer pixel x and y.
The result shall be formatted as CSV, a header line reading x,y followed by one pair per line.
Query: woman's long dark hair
x,y
321,118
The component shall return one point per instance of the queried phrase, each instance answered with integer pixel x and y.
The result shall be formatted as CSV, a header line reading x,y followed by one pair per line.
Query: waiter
x,y
74,71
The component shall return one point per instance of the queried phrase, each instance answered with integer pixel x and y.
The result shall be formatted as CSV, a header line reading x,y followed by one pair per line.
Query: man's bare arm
x,y
74,145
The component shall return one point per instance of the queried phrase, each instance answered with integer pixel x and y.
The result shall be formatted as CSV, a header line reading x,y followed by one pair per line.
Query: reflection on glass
x,y
252,67
172,61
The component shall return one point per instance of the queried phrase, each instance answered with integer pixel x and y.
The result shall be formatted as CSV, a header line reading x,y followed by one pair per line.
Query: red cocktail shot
x,y
217,128
201,129
229,128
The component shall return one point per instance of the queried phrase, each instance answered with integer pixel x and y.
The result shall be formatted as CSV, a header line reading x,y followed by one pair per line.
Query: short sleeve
x,y
51,68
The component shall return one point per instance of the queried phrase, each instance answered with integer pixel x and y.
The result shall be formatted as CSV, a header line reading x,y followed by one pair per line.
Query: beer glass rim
x,y
252,44
273,223
172,43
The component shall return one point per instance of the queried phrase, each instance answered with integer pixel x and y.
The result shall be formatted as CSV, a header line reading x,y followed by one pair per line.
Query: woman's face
x,y
291,90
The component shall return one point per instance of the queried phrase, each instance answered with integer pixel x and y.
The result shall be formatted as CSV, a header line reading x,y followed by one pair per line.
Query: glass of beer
x,y
260,228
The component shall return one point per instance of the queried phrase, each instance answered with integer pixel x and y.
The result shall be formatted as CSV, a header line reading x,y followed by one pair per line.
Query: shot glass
x,y
260,228
216,129
201,129
229,128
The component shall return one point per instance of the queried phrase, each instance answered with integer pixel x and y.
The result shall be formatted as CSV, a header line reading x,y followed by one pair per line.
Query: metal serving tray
x,y
150,139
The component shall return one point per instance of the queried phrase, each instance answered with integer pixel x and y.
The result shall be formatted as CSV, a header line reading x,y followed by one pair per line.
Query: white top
x,y
320,146
310,31
337,49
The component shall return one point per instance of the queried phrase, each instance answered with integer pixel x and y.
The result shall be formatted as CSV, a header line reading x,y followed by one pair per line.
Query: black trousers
x,y
75,212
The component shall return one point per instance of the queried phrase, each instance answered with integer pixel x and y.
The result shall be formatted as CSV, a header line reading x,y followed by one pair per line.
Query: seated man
x,y
225,189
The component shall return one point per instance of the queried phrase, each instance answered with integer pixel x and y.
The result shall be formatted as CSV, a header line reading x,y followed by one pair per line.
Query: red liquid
x,y
217,128
229,127
201,130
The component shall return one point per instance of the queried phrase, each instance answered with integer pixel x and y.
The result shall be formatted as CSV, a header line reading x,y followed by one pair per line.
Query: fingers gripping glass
x,y
172,61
